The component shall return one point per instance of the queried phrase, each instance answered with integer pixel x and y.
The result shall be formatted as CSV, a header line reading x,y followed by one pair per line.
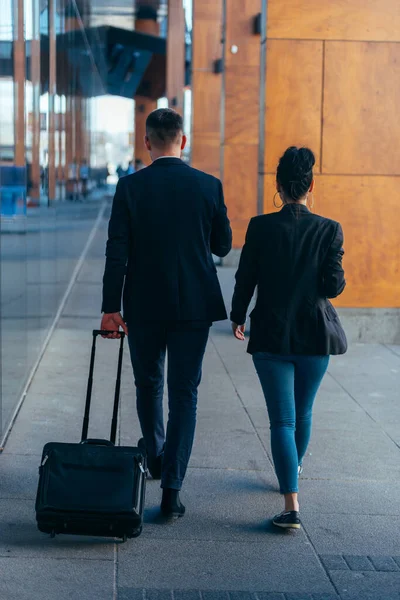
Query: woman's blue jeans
x,y
290,385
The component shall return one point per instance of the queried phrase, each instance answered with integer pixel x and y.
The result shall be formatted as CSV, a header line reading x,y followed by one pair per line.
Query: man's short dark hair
x,y
163,127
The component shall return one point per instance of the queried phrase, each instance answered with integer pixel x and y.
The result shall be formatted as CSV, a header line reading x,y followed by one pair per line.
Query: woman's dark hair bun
x,y
295,172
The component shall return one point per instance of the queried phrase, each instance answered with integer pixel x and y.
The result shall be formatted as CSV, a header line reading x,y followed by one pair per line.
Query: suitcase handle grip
x,y
96,442
114,422
97,332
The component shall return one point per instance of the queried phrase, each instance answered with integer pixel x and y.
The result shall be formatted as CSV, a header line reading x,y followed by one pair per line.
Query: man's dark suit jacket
x,y
294,258
166,222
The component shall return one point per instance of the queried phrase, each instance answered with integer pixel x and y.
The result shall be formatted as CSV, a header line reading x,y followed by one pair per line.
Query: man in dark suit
x,y
166,222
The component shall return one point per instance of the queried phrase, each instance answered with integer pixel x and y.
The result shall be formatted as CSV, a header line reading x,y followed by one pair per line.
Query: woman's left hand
x,y
238,331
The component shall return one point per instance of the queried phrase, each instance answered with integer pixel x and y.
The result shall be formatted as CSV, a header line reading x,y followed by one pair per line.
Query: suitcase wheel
x,y
124,538
53,534
137,532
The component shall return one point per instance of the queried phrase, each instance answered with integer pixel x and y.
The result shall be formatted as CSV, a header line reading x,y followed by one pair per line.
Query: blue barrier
x,y
12,191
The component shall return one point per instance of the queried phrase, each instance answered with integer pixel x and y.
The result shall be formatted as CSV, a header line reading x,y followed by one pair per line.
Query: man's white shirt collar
x,y
161,157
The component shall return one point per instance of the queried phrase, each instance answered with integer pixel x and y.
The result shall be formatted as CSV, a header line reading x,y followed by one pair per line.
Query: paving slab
x,y
228,450
354,534
19,476
20,537
367,585
395,349
214,565
366,453
85,300
49,579
56,418
384,563
359,563
223,505
270,596
92,271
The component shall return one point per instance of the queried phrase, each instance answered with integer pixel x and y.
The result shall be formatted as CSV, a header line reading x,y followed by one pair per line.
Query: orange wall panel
x,y
207,42
176,55
370,20
361,124
293,98
207,89
206,153
208,10
242,98
242,106
269,193
365,207
239,32
240,184
206,86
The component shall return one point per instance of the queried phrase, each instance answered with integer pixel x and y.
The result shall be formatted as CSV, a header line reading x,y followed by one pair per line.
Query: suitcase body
x,y
92,487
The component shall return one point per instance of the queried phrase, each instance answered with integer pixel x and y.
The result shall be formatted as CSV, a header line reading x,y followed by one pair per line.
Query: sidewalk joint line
x,y
391,350
241,401
115,582
364,409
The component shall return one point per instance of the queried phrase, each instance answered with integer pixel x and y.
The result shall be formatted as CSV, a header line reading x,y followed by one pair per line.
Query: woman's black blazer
x,y
294,259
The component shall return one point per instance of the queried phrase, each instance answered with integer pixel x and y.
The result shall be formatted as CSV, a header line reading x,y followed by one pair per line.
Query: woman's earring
x,y
276,206
312,201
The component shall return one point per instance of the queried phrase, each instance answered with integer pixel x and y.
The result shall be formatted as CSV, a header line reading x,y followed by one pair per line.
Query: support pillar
x,y
69,133
176,55
52,94
35,75
242,114
60,170
19,83
144,106
78,114
207,85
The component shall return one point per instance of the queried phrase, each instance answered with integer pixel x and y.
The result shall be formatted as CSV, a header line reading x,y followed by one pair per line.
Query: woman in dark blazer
x,y
294,259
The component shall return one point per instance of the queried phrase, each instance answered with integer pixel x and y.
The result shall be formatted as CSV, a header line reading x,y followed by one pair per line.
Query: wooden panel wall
x,y
333,84
242,110
291,117
206,86
362,97
333,73
143,106
366,20
176,55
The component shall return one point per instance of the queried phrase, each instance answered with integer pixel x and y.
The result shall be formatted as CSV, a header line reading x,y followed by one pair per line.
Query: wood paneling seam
x,y
322,107
262,107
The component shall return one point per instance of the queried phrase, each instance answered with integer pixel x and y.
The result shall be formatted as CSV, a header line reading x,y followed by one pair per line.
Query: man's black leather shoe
x,y
154,465
171,505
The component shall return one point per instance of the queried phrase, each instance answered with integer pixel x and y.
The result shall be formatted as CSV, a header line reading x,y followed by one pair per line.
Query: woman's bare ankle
x,y
291,503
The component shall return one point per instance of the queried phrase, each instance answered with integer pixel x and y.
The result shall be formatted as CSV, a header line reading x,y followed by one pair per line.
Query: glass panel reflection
x,y
69,73
45,137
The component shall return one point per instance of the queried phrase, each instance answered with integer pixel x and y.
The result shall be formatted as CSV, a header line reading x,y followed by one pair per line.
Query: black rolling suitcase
x,y
92,487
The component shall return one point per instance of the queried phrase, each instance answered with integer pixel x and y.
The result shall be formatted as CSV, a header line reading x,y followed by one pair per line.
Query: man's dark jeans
x,y
185,344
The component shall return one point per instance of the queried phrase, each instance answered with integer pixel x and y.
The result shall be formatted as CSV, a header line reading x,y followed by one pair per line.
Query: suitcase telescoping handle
x,y
114,422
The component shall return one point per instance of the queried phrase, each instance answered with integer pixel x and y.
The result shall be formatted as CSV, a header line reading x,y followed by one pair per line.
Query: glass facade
x,y
69,73
46,149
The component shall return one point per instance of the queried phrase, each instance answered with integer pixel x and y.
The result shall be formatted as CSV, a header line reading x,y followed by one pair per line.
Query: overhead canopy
x,y
99,61
108,60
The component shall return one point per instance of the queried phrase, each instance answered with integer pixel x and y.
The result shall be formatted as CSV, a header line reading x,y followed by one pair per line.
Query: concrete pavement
x,y
225,547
